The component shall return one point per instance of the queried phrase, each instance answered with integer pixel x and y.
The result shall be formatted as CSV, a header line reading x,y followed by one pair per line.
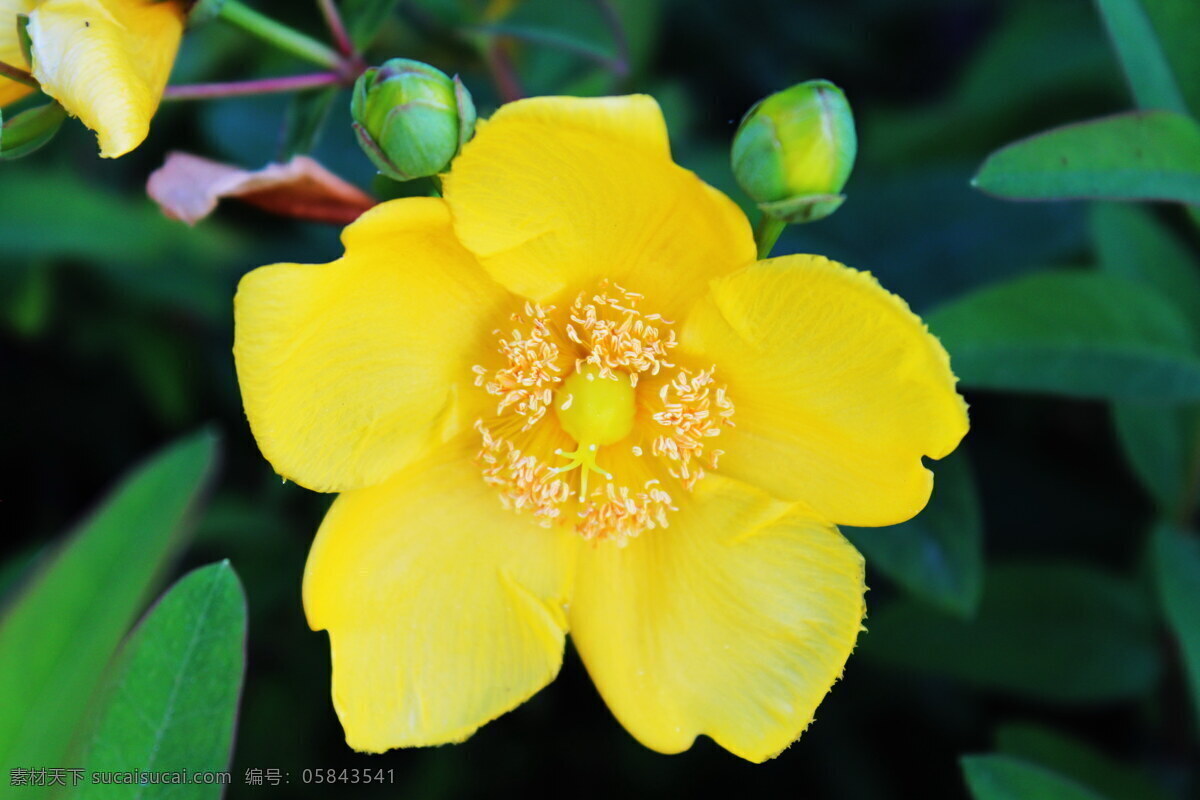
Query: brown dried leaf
x,y
188,188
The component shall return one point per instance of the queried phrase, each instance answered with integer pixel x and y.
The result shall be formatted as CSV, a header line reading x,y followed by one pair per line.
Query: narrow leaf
x,y
1147,155
171,702
1142,57
1075,333
1052,631
1078,761
1176,22
1177,570
1130,242
365,18
61,631
995,777
938,555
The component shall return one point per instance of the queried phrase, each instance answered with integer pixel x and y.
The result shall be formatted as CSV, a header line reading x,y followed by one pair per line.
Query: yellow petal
x,y
107,62
839,388
554,193
10,48
734,622
444,611
350,370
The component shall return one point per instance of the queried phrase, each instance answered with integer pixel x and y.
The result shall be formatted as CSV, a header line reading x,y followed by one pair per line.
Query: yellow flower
x,y
566,398
106,61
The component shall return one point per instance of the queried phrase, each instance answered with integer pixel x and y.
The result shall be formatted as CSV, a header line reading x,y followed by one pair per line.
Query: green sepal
x,y
810,208
24,39
30,130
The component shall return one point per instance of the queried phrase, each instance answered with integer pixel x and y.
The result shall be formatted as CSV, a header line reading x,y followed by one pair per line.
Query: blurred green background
x,y
116,328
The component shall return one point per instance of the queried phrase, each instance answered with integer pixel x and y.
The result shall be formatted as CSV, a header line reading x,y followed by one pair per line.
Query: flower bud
x,y
794,150
29,130
411,119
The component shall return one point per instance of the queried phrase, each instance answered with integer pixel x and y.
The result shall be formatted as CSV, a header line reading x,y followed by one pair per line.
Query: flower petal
x,y
839,388
350,370
555,193
107,62
733,622
444,611
10,48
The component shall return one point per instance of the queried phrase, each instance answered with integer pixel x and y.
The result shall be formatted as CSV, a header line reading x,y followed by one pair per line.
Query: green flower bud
x,y
411,119
29,130
794,151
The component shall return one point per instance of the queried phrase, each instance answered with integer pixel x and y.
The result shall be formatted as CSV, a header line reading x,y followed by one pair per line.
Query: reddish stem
x,y
337,27
503,72
290,83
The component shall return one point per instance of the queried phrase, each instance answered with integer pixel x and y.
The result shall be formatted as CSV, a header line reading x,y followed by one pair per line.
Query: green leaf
x,y
1177,573
1175,22
60,632
1154,440
1075,333
365,18
1078,761
1059,632
305,120
1142,58
171,701
1145,155
938,555
1131,243
996,777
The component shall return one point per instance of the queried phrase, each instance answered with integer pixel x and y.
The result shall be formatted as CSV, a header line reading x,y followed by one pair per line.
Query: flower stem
x,y
17,74
766,234
290,83
337,27
280,35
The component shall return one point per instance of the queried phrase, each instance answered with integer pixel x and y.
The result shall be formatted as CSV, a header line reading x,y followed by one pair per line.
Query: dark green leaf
x,y
364,18
1131,243
938,555
305,120
171,701
1176,22
60,632
1177,570
1154,439
1081,334
1147,155
995,777
1078,761
1065,633
1142,58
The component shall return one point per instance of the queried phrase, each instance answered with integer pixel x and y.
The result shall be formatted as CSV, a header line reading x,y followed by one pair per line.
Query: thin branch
x,y
290,83
503,73
337,27
547,38
620,38
17,74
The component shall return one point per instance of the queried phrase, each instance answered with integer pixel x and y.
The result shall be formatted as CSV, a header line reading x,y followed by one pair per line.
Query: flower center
x,y
623,409
594,410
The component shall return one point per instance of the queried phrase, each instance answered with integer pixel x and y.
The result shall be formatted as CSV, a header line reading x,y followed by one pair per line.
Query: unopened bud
x,y
411,119
794,151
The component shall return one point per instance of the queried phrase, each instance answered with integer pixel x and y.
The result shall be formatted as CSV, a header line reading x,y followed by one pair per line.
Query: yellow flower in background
x,y
567,398
106,61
